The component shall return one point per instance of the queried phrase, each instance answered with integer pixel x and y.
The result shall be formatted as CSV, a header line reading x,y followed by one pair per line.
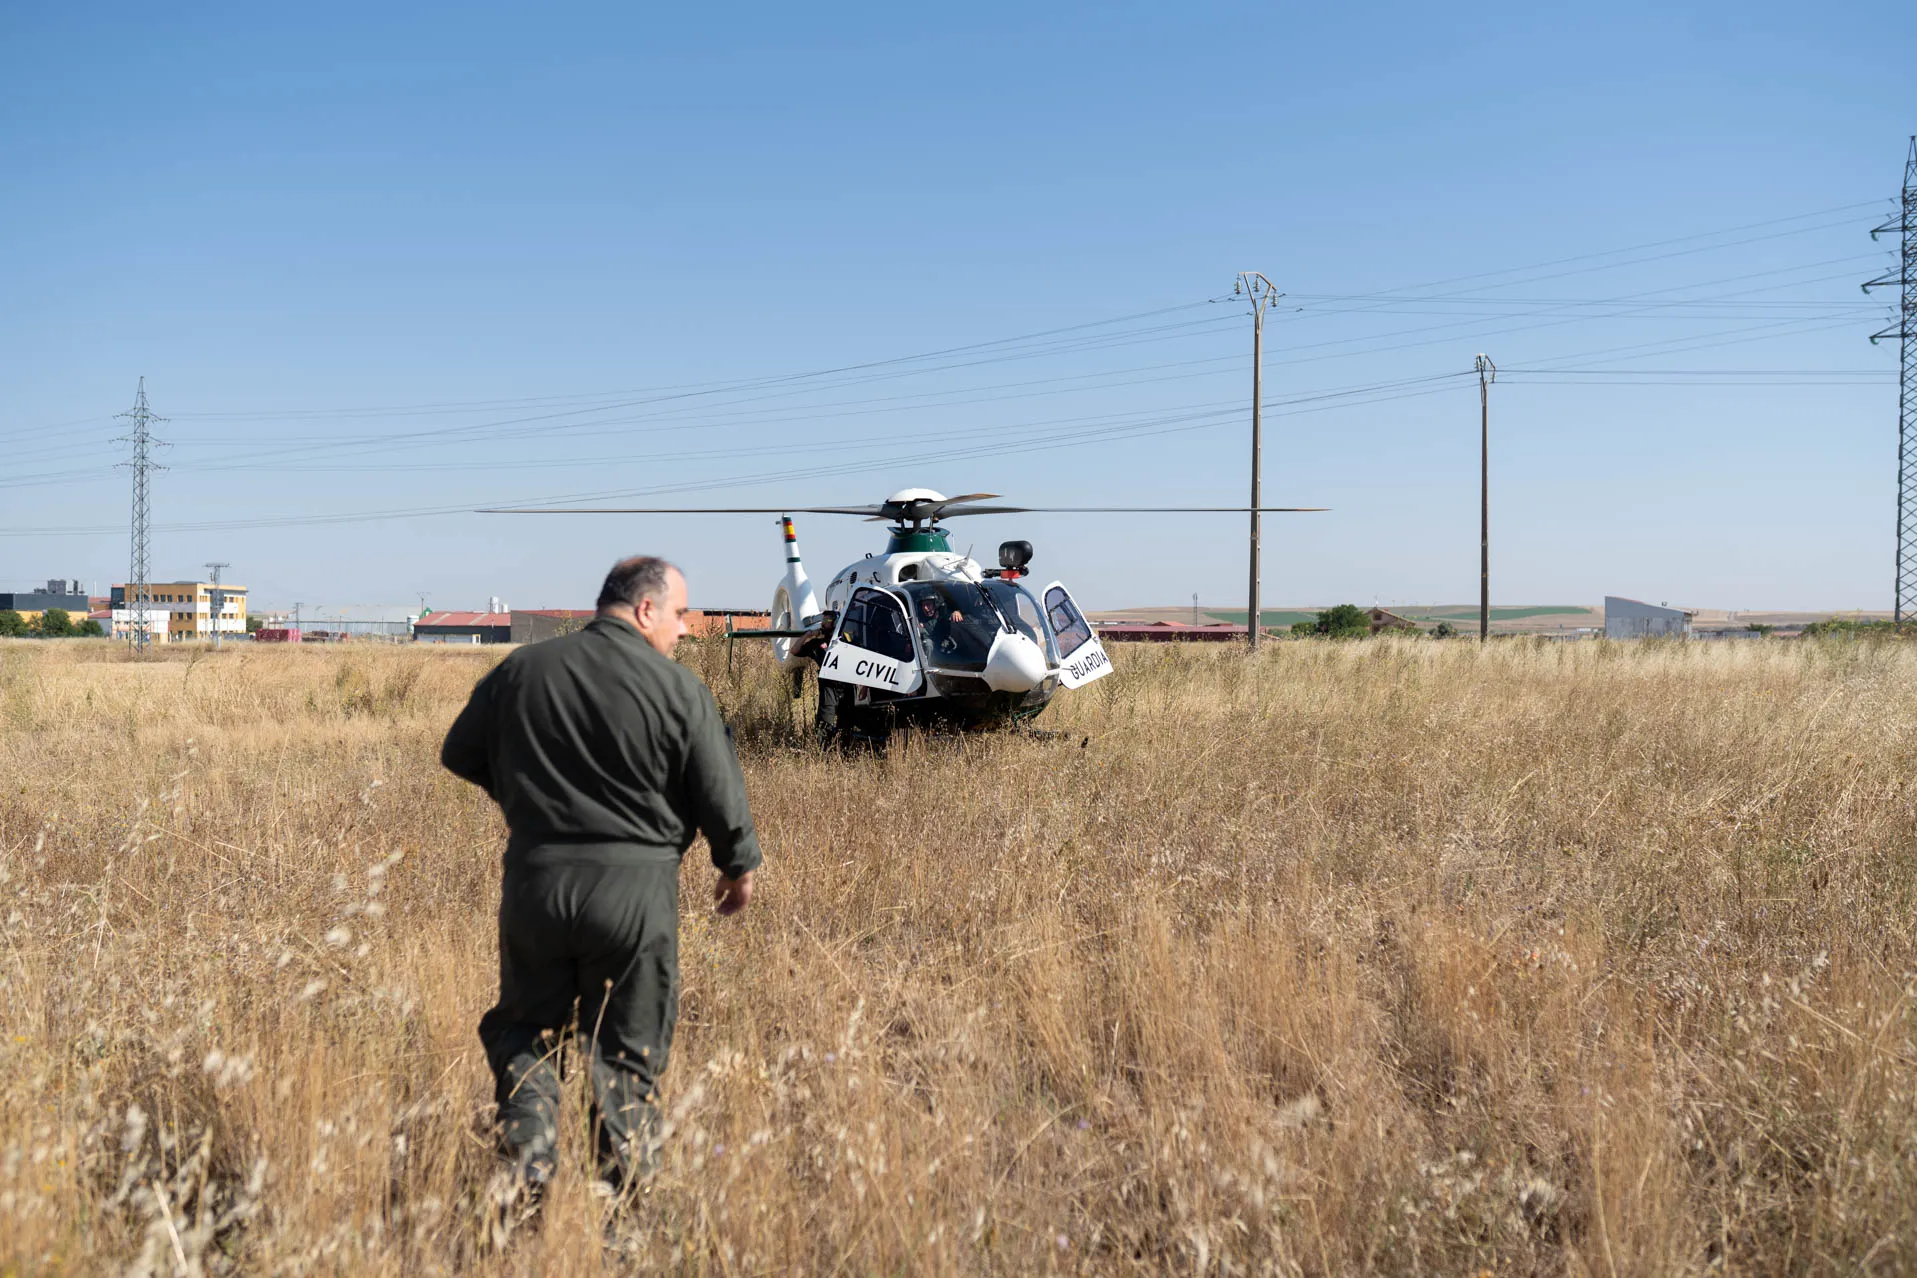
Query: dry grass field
x,y
1389,957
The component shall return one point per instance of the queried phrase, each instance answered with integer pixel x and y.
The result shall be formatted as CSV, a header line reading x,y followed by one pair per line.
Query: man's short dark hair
x,y
640,577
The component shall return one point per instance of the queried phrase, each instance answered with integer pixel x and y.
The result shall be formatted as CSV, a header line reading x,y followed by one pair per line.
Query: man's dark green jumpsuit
x,y
606,757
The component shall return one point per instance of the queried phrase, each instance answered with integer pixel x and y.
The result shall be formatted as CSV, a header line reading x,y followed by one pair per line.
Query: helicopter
x,y
919,633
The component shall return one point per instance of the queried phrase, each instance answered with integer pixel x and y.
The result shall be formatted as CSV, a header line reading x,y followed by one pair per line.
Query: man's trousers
x,y
603,936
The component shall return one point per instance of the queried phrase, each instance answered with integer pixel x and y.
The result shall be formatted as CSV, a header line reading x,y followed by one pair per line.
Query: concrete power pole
x,y
1259,291
139,593
218,599
1487,373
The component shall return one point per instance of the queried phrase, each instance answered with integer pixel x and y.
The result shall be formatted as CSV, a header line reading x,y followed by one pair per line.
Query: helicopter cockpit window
x,y
1017,607
874,621
957,624
1068,623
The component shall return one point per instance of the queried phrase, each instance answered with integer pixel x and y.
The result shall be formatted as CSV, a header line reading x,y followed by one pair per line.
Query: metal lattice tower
x,y
138,590
216,596
1904,224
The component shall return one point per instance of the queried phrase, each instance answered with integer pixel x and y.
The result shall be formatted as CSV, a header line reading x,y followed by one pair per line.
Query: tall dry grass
x,y
1398,957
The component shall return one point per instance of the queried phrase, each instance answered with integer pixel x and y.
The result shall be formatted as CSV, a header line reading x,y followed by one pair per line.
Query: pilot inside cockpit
x,y
936,615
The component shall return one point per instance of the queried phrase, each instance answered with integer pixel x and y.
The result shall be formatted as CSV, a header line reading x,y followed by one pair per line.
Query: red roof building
x,y
1170,632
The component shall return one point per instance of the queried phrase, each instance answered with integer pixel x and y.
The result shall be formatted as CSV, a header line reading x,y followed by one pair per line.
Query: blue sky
x,y
378,259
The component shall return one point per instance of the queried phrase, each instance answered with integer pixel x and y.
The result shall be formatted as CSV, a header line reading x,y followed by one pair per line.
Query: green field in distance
x,y
1276,618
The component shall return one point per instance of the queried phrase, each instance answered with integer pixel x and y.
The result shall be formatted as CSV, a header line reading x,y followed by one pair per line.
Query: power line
x,y
1634,304
1709,372
543,423
755,401
1652,244
702,388
782,415
685,390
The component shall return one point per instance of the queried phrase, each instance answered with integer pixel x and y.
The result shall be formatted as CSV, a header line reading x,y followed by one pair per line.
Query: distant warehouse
x,y
464,627
1635,619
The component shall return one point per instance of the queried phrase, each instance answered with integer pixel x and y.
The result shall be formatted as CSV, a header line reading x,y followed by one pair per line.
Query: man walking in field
x,y
606,757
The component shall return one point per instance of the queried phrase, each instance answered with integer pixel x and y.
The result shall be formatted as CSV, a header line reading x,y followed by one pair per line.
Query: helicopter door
x,y
873,648
1081,658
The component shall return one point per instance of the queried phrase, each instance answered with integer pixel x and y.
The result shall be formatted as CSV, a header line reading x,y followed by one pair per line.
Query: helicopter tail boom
x,y
795,606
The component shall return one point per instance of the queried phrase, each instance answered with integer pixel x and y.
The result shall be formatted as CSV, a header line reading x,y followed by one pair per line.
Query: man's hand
x,y
731,895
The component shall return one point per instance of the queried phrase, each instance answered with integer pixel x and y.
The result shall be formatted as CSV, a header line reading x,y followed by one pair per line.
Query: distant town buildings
x,y
530,625
185,610
180,610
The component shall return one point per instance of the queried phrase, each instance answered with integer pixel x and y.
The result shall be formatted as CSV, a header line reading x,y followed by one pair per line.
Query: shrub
x,y
1856,628
1343,621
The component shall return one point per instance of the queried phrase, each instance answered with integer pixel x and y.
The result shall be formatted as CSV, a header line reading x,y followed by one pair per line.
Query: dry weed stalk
x,y
1394,956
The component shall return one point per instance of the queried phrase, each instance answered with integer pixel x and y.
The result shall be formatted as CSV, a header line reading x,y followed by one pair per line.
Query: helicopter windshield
x,y
1017,607
956,621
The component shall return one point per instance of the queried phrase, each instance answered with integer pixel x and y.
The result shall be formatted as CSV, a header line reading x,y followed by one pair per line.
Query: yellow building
x,y
188,606
68,596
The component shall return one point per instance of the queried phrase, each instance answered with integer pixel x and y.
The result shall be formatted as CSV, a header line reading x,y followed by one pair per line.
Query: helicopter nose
x,y
1015,664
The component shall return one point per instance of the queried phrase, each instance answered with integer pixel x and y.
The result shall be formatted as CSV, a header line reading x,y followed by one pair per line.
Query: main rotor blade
x,y
678,510
1127,510
881,513
948,511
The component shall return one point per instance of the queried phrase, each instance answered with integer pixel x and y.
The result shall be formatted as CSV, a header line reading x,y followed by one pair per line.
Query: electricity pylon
x,y
138,593
1904,604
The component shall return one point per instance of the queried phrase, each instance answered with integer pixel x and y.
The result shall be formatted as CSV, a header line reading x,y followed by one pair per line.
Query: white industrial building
x,y
123,623
1635,619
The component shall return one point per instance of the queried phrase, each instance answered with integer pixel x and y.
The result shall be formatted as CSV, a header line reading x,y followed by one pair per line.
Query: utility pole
x,y
1487,373
296,617
139,593
218,599
1904,594
1259,291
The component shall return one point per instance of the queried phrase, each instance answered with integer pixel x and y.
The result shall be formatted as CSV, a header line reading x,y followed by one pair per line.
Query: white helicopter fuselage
x,y
922,628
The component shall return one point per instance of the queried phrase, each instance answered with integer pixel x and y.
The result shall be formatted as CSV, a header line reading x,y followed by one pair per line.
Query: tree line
x,y
54,623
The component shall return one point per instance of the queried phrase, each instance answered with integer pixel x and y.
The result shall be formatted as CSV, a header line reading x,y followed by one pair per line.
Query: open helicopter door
x,y
1081,658
873,647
